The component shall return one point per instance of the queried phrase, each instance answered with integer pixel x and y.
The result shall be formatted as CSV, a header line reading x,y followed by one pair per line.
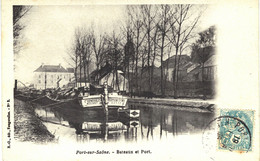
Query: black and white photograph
x,y
132,81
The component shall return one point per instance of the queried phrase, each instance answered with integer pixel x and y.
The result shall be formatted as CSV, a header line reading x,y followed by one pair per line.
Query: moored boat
x,y
105,100
114,101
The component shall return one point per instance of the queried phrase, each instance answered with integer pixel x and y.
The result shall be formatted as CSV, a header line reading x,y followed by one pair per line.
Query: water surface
x,y
82,125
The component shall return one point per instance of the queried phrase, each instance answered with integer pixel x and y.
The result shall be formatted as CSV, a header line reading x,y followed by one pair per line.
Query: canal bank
x,y
181,104
27,126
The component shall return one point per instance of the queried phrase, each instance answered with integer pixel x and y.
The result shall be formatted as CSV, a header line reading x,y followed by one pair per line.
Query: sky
x,y
49,31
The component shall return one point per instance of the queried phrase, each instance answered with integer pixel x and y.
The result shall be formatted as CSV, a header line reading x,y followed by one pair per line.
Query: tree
x,y
204,47
135,37
98,46
81,52
164,27
149,13
86,54
73,60
186,17
114,56
18,13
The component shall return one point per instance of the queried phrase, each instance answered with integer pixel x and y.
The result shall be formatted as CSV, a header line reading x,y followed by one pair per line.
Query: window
x,y
39,76
39,81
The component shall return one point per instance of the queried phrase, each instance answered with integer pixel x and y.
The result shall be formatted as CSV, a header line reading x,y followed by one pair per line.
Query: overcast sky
x,y
49,32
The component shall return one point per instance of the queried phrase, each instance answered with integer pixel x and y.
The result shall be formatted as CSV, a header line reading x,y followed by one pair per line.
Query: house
x,y
52,76
169,66
210,69
193,73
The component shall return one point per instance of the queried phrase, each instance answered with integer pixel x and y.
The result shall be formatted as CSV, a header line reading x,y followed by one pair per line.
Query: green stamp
x,y
235,130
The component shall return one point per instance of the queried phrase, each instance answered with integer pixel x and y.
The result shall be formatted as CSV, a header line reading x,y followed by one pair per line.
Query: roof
x,y
171,61
51,68
111,72
193,67
211,61
101,72
185,66
70,70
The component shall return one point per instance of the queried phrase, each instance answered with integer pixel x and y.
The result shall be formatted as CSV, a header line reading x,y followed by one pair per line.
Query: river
x,y
154,123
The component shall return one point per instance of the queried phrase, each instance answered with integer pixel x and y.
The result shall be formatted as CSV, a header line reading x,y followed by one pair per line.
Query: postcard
x,y
121,80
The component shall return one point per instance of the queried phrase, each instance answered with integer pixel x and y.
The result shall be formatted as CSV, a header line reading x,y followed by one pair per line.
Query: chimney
x,y
59,65
42,65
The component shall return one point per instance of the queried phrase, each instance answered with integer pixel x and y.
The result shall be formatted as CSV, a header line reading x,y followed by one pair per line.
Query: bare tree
x,y
81,53
137,35
114,56
73,60
155,54
98,45
186,17
18,13
149,17
86,54
164,27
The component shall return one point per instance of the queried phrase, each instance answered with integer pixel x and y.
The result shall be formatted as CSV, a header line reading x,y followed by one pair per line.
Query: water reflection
x,y
94,125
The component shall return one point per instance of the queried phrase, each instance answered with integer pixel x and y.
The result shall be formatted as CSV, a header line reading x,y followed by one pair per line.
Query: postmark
x,y
231,131
235,130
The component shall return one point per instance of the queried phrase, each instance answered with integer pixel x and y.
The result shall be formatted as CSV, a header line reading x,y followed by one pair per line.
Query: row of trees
x,y
88,46
161,31
149,35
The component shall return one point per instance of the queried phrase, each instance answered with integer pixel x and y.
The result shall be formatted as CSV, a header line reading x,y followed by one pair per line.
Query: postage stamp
x,y
235,130
231,131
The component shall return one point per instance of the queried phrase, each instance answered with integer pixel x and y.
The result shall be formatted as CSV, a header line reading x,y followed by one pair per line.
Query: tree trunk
x,y
80,61
84,69
75,72
136,71
166,76
162,47
148,61
88,71
175,72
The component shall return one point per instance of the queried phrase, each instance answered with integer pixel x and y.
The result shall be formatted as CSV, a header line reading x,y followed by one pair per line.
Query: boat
x,y
105,100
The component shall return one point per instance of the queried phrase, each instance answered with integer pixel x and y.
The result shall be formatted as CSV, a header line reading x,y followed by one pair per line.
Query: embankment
x,y
27,126
181,104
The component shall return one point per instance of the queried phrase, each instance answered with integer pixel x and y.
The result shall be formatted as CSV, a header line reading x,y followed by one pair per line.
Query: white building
x,y
52,76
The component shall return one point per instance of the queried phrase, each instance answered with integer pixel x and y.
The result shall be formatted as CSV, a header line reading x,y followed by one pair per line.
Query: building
x,y
193,73
52,76
210,69
169,66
